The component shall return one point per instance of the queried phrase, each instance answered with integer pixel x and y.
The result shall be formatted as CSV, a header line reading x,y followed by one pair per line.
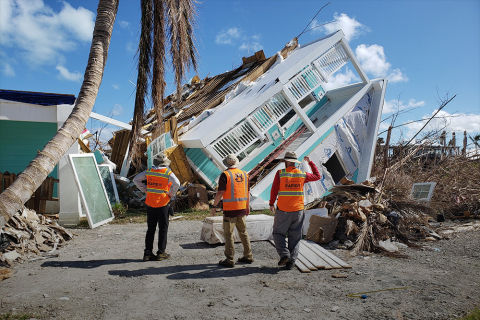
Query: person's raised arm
x,y
315,175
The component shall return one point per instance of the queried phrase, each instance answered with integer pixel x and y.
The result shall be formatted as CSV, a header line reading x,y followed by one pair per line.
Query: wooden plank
x,y
302,267
331,256
323,256
43,196
182,163
83,146
313,257
306,262
173,128
6,180
51,184
167,125
36,205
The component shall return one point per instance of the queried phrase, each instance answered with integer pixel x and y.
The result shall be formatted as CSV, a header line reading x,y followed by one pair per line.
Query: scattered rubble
x,y
27,233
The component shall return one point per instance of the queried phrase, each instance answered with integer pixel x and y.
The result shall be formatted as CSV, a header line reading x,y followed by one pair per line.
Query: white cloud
x,y
67,75
131,46
373,61
39,33
397,76
117,110
251,46
115,86
396,105
350,27
455,122
341,79
124,24
8,70
228,36
233,36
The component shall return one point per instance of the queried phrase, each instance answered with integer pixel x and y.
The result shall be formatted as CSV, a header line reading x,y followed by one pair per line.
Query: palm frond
x,y
144,73
181,21
159,60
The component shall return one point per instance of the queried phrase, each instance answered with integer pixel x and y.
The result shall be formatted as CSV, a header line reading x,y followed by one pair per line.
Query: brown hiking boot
x,y
225,263
245,260
283,261
162,256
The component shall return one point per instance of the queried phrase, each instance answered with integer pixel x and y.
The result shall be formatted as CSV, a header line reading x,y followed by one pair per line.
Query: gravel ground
x,y
100,275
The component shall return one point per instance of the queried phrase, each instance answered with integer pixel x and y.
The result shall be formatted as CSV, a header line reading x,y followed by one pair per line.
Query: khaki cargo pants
x,y
229,223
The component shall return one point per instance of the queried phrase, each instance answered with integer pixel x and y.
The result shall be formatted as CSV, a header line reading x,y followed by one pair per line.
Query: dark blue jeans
x,y
157,216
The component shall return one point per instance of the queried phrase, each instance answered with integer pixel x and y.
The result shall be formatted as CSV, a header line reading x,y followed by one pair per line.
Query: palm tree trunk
x,y
13,198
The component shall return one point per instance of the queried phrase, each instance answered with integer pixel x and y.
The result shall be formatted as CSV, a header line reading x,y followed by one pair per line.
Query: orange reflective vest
x,y
290,194
236,192
158,187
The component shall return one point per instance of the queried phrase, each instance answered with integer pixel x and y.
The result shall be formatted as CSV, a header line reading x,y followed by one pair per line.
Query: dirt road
x,y
100,275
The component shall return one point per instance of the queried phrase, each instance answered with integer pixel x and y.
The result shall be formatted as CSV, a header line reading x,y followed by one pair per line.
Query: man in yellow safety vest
x,y
161,188
288,185
234,188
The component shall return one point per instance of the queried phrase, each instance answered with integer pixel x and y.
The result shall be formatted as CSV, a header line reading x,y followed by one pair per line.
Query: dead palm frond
x,y
144,72
165,23
181,22
159,61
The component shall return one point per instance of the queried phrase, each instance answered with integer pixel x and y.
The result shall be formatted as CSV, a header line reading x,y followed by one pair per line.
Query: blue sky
x,y
420,46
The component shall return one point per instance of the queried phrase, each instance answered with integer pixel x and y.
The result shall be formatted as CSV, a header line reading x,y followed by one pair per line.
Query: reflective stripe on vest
x,y
290,195
236,194
158,187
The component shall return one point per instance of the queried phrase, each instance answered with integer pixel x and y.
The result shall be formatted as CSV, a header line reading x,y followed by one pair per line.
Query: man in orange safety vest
x,y
288,185
161,188
234,188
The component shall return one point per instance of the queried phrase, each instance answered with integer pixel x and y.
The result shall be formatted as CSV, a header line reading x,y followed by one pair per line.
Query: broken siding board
x,y
303,268
321,255
330,255
306,262
204,164
312,257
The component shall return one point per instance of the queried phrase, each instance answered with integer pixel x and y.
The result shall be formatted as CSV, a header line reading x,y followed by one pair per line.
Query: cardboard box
x,y
198,197
321,229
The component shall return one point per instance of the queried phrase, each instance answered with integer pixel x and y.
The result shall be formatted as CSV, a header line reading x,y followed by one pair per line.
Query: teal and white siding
x,y
19,143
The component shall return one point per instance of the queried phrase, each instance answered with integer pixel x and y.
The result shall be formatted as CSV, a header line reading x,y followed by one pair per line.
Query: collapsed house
x,y
259,111
270,106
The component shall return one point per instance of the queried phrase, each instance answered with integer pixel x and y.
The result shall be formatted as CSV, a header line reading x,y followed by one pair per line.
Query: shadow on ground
x,y
89,264
200,245
184,272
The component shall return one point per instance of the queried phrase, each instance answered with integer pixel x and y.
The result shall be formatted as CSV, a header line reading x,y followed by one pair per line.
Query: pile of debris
x,y
367,221
27,233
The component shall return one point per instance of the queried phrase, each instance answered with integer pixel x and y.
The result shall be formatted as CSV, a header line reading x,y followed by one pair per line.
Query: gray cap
x,y
291,156
231,161
161,160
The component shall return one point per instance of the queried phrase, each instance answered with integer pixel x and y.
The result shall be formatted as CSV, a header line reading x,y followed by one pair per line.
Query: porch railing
x,y
304,82
331,61
275,108
236,140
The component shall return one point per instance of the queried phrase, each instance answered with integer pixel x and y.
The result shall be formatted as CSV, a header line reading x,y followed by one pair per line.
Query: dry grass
x,y
456,179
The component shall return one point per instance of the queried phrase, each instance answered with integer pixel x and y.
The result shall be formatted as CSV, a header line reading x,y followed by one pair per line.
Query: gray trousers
x,y
288,223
